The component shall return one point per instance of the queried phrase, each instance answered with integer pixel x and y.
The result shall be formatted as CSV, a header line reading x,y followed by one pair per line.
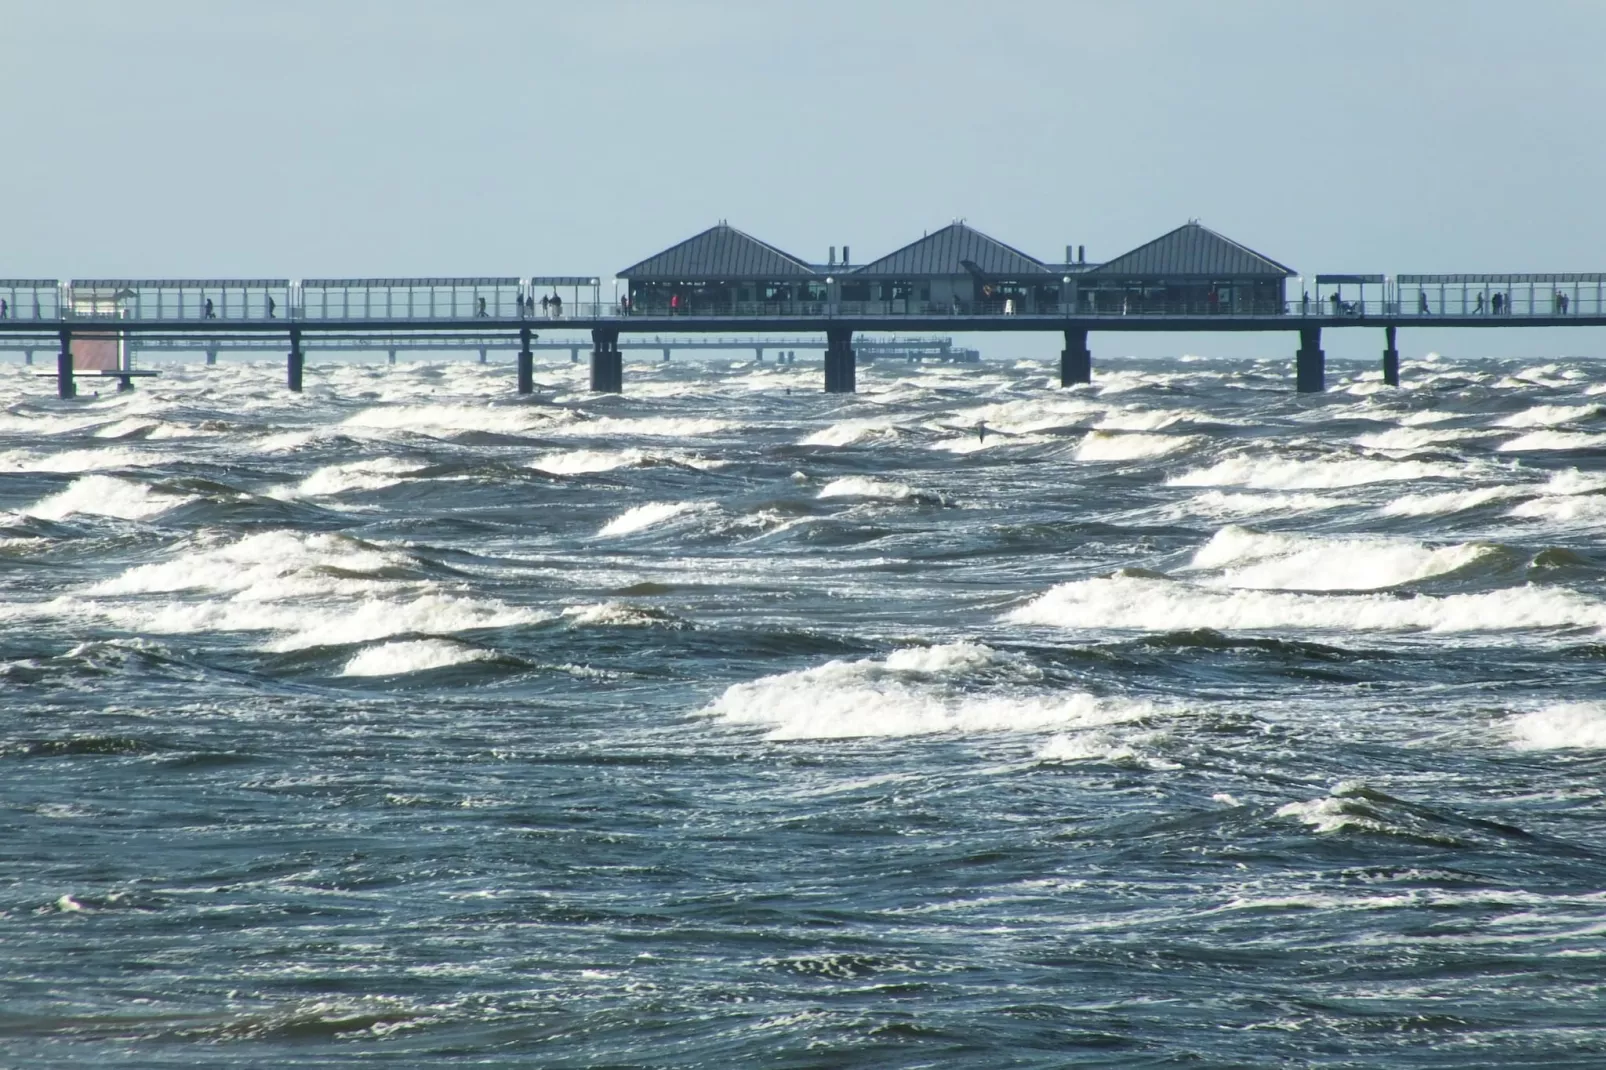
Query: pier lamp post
x,y
1065,289
830,304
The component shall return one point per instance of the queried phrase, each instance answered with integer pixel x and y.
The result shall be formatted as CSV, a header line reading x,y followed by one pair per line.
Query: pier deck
x,y
496,312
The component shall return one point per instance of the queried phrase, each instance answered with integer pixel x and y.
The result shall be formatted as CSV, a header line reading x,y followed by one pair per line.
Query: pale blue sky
x,y
337,137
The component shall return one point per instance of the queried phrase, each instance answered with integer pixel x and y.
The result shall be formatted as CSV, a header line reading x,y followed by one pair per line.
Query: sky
x,y
305,138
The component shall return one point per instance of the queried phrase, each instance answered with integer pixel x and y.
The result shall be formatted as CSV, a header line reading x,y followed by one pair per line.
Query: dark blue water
x,y
1180,721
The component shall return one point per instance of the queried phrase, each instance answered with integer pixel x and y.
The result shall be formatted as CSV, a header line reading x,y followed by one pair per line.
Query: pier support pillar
x,y
607,363
526,362
758,354
64,379
1310,363
1391,359
27,357
211,356
1076,362
574,354
841,368
666,354
297,362
482,355
390,356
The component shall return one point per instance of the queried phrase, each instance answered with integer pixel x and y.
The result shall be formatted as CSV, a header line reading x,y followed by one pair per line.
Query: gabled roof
x,y
1192,251
720,252
954,250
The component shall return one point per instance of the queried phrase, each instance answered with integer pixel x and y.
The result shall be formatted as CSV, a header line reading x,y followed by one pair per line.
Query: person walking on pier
x,y
5,309
1496,303
271,307
1422,302
557,307
479,309
207,312
1479,307
1304,304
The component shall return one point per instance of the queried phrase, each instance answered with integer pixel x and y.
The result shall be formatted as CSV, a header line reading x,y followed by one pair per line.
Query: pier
x,y
724,290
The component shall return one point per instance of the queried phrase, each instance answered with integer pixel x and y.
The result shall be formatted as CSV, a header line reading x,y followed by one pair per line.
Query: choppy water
x,y
1182,721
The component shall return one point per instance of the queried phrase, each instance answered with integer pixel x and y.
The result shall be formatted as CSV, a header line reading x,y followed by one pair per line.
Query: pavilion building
x,y
1191,270
723,271
955,269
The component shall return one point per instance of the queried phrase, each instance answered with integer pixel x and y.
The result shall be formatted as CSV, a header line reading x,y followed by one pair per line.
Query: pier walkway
x,y
489,312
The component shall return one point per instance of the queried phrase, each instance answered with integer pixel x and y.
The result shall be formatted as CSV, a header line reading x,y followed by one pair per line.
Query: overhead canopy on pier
x,y
1191,269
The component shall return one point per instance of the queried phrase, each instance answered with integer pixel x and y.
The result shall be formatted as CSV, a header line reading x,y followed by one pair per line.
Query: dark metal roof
x,y
720,253
1193,251
1340,280
954,250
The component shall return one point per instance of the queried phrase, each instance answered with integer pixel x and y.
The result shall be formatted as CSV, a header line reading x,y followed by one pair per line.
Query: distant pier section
x,y
724,289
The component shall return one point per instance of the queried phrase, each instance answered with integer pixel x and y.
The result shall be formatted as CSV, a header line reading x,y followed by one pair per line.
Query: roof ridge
x,y
1125,262
720,231
937,235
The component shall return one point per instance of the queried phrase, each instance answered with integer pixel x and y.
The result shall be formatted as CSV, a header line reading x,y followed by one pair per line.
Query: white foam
x,y
909,694
1026,415
580,462
106,496
1572,481
1129,446
1333,813
1426,416
1450,501
1159,605
260,567
1548,416
1552,440
1568,725
1101,745
78,460
615,614
1274,473
311,590
451,419
852,432
1252,559
411,655
299,623
1146,419
642,517
1569,509
865,487
640,427
1219,503
372,474
1413,438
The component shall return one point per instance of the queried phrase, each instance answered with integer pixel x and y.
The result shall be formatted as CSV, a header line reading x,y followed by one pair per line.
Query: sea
x,y
1173,720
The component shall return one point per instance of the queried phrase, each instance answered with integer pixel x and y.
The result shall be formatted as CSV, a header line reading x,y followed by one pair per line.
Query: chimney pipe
x,y
1081,254
1068,251
844,256
833,256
